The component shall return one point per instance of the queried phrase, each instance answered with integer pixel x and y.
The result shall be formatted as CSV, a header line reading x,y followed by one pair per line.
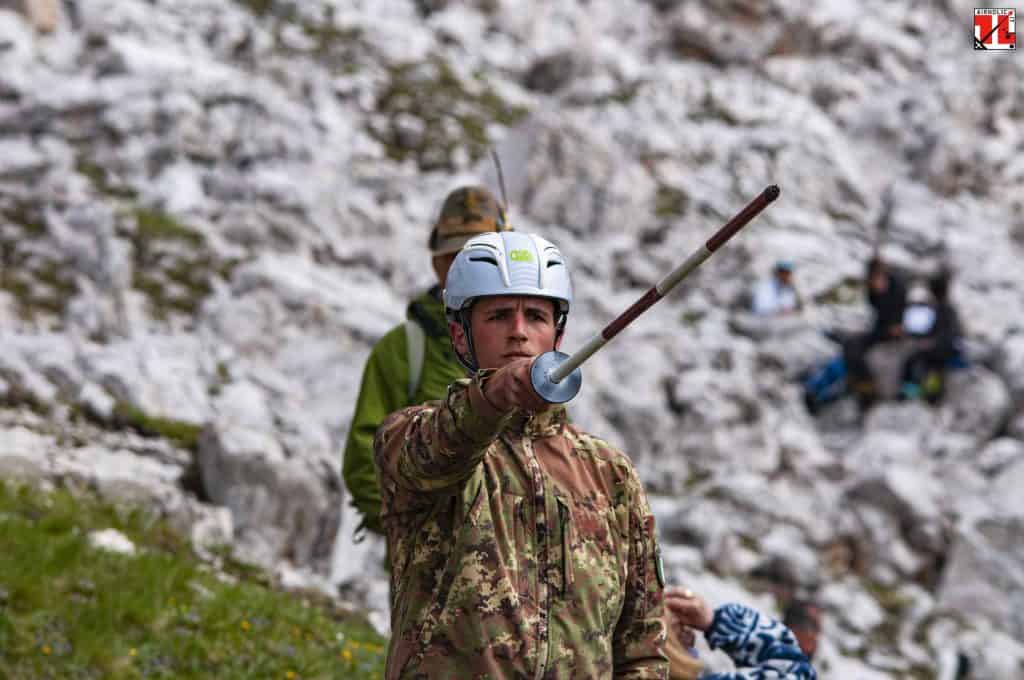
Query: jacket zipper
x,y
543,590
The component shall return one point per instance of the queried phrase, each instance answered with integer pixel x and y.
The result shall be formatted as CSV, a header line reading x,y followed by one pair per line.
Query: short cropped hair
x,y
802,614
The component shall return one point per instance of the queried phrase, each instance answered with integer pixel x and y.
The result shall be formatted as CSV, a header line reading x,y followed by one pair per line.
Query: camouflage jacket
x,y
520,546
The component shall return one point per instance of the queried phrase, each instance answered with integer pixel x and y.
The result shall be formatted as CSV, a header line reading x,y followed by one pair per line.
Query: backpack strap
x,y
415,344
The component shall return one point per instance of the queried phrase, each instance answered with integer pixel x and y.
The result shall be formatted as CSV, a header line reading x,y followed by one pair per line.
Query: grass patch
x,y
172,265
335,47
257,7
328,37
696,478
692,317
748,542
39,284
890,599
100,179
670,202
26,216
69,611
895,604
846,292
184,435
153,225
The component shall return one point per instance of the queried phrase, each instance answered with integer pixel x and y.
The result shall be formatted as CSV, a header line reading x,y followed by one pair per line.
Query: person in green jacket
x,y
414,362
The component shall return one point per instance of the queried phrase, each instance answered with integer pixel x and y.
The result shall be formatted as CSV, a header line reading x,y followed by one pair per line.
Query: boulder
x,y
284,502
24,454
984,575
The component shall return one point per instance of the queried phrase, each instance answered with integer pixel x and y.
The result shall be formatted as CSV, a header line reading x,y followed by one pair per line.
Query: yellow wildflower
x,y
245,625
46,650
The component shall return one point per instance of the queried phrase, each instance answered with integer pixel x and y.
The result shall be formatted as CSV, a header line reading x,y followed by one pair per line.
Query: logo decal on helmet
x,y
520,256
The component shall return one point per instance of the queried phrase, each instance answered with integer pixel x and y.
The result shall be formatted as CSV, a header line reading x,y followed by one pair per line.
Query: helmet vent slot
x,y
484,258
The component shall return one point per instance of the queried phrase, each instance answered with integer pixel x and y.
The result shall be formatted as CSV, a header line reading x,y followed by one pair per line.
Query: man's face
x,y
507,328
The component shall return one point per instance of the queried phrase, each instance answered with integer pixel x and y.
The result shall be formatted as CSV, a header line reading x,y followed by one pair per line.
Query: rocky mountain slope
x,y
209,210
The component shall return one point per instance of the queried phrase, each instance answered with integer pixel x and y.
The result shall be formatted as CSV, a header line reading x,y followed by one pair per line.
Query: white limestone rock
x,y
25,454
113,541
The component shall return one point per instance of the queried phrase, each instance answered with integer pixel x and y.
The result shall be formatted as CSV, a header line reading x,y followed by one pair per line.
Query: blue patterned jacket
x,y
761,647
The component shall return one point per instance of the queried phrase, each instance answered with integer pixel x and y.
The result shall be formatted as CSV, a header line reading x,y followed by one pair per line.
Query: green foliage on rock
x,y
173,266
847,292
68,610
185,435
257,7
451,114
153,226
670,202
101,181
40,284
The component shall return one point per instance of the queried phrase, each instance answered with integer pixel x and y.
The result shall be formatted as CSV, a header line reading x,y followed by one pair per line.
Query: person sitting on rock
x,y
887,296
760,646
924,370
777,294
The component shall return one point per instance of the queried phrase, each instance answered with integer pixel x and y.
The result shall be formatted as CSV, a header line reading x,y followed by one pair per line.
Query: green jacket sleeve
x,y
384,389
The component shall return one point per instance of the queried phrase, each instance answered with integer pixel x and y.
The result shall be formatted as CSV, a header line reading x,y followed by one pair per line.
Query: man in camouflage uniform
x,y
387,384
521,547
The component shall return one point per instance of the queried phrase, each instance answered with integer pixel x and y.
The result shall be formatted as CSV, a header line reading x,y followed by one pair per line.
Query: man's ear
x,y
458,336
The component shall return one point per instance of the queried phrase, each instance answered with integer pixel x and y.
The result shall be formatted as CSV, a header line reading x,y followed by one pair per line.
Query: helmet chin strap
x,y
468,362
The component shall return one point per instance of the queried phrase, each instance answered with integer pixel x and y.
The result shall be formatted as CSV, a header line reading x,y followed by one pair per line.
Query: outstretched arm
x,y
435,446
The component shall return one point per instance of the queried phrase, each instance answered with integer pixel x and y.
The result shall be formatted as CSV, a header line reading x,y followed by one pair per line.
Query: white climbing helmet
x,y
506,263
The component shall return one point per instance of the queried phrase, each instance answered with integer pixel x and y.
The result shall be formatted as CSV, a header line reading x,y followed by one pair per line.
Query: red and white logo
x,y
995,29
